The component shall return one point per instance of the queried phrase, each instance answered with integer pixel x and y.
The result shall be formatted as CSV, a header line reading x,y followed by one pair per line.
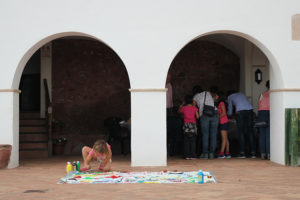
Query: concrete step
x,y
33,145
30,115
33,122
37,153
29,137
33,129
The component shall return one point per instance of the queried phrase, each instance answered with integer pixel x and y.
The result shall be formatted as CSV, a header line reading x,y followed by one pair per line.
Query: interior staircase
x,y
33,136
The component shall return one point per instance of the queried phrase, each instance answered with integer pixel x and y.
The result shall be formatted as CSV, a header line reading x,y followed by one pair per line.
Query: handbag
x,y
208,110
190,129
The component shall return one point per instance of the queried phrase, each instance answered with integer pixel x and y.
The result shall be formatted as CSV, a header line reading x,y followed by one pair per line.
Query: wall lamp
x,y
258,76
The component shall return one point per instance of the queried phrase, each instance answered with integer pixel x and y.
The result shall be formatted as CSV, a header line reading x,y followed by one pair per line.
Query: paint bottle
x,y
74,167
200,177
69,168
78,166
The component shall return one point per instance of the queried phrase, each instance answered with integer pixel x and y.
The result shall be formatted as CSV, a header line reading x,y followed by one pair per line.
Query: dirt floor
x,y
237,179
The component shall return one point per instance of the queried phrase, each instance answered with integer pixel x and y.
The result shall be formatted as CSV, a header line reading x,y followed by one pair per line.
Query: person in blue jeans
x,y
263,119
209,124
244,121
264,135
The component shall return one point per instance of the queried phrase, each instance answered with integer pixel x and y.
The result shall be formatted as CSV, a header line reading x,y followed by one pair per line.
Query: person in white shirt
x,y
209,124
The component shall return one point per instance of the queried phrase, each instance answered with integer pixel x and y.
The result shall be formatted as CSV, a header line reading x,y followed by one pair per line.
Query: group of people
x,y
208,108
211,111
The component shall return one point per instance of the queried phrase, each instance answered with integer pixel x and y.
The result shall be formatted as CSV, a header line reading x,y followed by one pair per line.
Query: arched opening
x,y
225,59
87,85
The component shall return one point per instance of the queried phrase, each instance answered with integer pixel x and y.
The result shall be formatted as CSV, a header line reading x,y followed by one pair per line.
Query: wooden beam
x,y
10,90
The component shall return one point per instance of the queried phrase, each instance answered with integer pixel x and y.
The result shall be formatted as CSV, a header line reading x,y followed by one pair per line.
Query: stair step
x,y
34,145
28,137
37,153
33,129
30,115
34,122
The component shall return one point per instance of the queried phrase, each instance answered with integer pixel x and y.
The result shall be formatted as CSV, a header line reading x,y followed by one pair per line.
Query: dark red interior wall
x,y
90,83
204,63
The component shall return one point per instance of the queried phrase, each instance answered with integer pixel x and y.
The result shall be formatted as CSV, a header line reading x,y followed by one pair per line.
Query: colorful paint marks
x,y
140,177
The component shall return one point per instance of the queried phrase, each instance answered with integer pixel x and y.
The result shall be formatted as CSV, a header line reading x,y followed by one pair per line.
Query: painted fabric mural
x,y
140,177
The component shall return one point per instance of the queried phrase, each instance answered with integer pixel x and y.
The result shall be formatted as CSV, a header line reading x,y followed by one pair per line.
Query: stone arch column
x,y
9,125
148,143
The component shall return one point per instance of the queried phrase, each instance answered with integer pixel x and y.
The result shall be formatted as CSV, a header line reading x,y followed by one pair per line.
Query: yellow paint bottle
x,y
69,168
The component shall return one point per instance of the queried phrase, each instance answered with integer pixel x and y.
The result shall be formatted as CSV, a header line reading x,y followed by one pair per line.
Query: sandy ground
x,y
237,179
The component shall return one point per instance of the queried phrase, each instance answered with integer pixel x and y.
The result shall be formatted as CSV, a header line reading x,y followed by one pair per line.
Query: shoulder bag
x,y
208,110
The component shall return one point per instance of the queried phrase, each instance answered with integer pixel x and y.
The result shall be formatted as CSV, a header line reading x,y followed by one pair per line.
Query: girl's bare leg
x,y
224,140
227,143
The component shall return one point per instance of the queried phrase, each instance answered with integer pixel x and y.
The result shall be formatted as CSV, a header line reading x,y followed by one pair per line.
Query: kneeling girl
x,y
100,152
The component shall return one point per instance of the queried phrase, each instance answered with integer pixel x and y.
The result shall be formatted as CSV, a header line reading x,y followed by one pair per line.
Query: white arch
x,y
260,45
277,139
14,160
42,42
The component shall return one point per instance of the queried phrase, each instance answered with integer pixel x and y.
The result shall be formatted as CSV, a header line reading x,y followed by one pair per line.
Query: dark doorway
x,y
30,95
89,93
201,64
30,85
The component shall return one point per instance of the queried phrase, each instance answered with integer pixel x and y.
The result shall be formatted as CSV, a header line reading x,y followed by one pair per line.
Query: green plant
x,y
57,123
60,140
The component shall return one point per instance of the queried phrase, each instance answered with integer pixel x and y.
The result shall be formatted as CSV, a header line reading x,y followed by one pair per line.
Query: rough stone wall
x,y
90,83
204,63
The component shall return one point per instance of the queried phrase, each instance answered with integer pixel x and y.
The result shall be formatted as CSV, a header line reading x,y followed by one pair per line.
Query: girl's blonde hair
x,y
100,146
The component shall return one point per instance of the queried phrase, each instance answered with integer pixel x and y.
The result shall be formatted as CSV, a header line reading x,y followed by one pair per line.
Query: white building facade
x,y
147,35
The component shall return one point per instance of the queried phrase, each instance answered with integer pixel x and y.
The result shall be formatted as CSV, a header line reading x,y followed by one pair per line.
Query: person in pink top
x,y
190,113
263,123
223,125
100,152
169,95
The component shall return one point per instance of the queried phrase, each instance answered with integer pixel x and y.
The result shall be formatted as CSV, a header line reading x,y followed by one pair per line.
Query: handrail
x,y
48,117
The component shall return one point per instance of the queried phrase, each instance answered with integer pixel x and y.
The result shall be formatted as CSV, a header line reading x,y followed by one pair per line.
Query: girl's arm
x,y
259,98
107,158
87,162
181,105
223,110
194,103
197,115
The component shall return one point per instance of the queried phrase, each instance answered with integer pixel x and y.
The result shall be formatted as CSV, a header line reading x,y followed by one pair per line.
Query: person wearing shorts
x,y
223,126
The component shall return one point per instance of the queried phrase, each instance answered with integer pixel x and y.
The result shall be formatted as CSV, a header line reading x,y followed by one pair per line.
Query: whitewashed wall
x,y
46,73
147,35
